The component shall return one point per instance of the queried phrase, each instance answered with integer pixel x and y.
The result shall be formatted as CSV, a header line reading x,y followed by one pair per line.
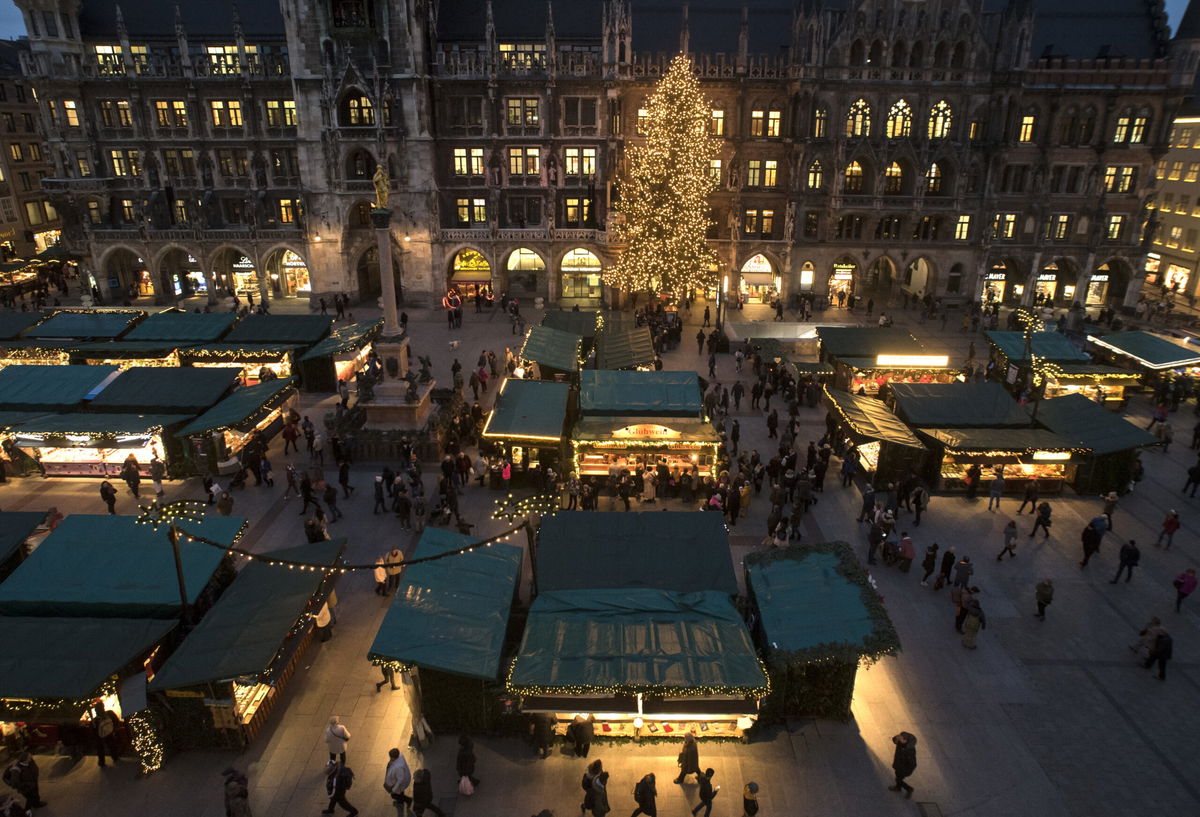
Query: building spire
x,y
685,33
185,56
744,38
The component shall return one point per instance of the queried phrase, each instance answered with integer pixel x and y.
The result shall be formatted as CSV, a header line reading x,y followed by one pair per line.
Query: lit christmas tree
x,y
664,195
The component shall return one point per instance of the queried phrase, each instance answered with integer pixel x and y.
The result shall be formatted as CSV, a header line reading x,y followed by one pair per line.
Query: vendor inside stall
x,y
254,362
99,445
864,428
339,357
868,376
526,427
252,413
1018,454
1103,384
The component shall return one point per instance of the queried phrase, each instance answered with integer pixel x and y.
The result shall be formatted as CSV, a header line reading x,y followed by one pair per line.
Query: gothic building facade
x,y
966,149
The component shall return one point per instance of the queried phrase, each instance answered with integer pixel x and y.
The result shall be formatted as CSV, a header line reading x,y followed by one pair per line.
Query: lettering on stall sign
x,y
646,431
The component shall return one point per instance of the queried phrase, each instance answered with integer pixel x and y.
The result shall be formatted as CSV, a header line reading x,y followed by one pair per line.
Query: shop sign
x,y
995,276
646,431
243,263
1051,456
843,272
1048,276
1099,277
929,361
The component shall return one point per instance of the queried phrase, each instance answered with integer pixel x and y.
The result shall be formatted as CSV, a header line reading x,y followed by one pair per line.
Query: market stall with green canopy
x,y
818,618
13,461
1009,347
127,353
1018,454
449,619
16,529
303,330
528,424
884,447
166,390
218,435
1106,385
86,325
1147,351
954,405
183,327
13,324
52,388
854,341
625,348
254,362
1113,442
85,444
339,356
582,323
554,353
96,565
245,649
866,359
624,393
29,352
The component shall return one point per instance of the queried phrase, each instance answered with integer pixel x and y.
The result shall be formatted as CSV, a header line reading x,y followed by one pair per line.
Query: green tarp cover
x,y
1000,439
211,352
194,327
56,252
70,657
639,640
346,339
12,324
1076,417
125,348
1152,351
1053,346
15,528
580,323
49,387
633,393
101,565
853,341
12,419
624,348
807,602
602,428
244,404
534,409
870,418
85,325
666,550
552,348
240,635
451,614
948,405
79,422
165,389
301,329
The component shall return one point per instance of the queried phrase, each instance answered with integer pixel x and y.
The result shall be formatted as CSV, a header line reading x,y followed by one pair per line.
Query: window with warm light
x,y
359,111
820,123
115,113
714,170
468,161
816,176
716,123
579,164
281,113
854,178
1115,228
893,179
125,162
774,123
71,112
523,114
858,119
933,180
643,121
962,228
899,121
287,211
1026,128
471,211
941,118
1005,226
524,161
226,113
758,123
1119,179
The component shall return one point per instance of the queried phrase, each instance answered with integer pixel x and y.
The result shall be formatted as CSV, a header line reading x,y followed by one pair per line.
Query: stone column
x,y
381,219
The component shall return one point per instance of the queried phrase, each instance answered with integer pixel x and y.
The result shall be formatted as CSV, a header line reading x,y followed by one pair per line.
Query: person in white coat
x,y
336,738
396,780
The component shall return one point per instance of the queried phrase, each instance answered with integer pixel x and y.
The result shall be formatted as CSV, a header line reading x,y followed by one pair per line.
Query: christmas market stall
x,y
1112,442
634,420
1066,367
867,359
185,328
18,277
446,631
638,631
1020,454
126,354
52,388
817,619
14,324
628,347
13,461
528,424
583,323
90,324
164,390
549,354
1105,385
253,362
302,330
886,448
24,352
221,683
957,405
339,356
1153,355
88,444
17,530
216,437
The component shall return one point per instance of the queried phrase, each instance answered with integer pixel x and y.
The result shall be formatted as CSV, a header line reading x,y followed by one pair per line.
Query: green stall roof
x,y
346,339
49,387
854,341
871,418
301,329
552,348
1053,346
582,323
78,422
124,348
1076,417
12,324
1000,439
165,389
947,405
210,352
85,325
15,528
13,419
636,640
244,406
1152,351
110,566
664,394
624,348
679,551
70,657
451,614
184,327
529,409
241,634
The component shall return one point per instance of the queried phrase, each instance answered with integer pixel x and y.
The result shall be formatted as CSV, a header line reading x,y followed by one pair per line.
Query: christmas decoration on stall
x,y
147,741
615,689
664,194
511,509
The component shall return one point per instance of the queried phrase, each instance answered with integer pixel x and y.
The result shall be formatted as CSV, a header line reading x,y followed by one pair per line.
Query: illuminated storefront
x,y
218,435
641,443
886,448
292,276
527,424
470,273
1097,292
98,445
1176,278
841,280
995,283
243,277
1055,285
758,283
252,360
580,274
1019,454
126,354
46,239
1105,385
864,375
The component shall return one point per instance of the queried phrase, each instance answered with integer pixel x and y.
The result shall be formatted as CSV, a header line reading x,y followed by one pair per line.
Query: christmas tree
x,y
664,197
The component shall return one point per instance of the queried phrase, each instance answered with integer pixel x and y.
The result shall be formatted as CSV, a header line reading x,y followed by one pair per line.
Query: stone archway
x,y
1110,282
580,274
180,274
127,276
287,273
367,274
525,268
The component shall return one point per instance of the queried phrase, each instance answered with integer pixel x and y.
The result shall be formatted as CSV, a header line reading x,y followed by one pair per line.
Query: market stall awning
x,y
57,252
624,348
1096,373
16,527
645,429
113,349
854,341
946,405
183,327
1152,351
1053,346
241,634
677,551
216,352
166,389
636,393
1014,440
51,388
12,324
451,614
304,330
1091,425
346,339
110,566
78,423
809,367
582,323
636,640
552,348
245,407
529,410
83,325
898,363
870,418
13,419
69,658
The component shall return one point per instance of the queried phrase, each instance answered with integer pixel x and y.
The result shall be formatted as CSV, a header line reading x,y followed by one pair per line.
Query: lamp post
x,y
155,514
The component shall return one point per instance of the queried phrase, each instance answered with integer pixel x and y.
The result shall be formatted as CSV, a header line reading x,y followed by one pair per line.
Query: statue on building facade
x,y
380,180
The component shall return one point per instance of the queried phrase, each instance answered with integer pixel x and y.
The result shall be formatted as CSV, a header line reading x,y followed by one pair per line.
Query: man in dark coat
x,y
689,758
904,762
1090,537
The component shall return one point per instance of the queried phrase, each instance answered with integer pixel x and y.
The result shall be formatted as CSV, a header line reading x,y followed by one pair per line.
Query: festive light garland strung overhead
x,y
510,509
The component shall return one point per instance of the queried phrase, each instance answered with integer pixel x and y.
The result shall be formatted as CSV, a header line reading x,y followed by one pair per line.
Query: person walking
x,y
1160,653
293,486
395,566
1169,526
344,479
306,493
336,738
908,552
973,622
963,571
396,779
158,472
600,806
750,799
1010,540
995,491
929,563
23,776
689,758
593,770
919,500
948,559
1129,558
337,783
904,761
1032,490
330,495
264,471
1090,538
109,494
380,503
974,475
1110,507
1193,481
225,504
1042,520
1043,594
645,794
707,793
1185,585
464,763
237,793
422,796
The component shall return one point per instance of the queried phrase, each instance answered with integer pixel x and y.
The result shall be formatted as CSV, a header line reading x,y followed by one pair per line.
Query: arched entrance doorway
x,y
580,274
1002,283
918,278
367,272
470,273
881,276
182,273
842,280
235,272
757,281
808,274
127,275
1054,285
288,273
524,267
1108,283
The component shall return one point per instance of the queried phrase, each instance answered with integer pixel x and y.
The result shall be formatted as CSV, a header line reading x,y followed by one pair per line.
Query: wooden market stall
x,y
625,348
185,328
217,437
339,356
550,354
1153,355
164,389
866,360
1105,385
18,277
253,362
86,324
126,354
1068,369
1113,443
14,324
527,424
24,352
1019,454
583,323
957,405
886,448
48,388
90,444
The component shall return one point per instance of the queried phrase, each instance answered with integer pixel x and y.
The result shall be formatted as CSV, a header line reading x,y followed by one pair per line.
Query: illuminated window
x,y
1058,227
471,211
893,179
15,151
579,164
523,55
1025,130
82,163
1121,129
854,178
1119,179
1115,228
128,213
1193,172
1176,171
974,130
281,113
1005,226
962,228
577,212
933,180
125,162
71,112
714,170
171,113
226,113
108,59
899,121
468,161
716,123
643,121
941,118
359,111
816,176
93,211
523,112
287,211
754,173
223,59
524,161
858,119
820,124
774,123
115,113
758,123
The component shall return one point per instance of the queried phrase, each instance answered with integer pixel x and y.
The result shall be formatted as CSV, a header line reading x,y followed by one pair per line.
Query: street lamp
x,y
157,513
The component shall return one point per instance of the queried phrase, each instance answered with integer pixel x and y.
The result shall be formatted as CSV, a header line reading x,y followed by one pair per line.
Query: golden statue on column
x,y
380,180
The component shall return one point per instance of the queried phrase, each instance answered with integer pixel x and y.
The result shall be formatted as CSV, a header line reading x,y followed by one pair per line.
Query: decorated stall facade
x,y
85,444
625,348
253,362
126,354
1112,443
216,437
866,360
1066,367
1018,454
184,328
528,423
86,324
1153,355
155,389
886,448
550,354
339,356
52,388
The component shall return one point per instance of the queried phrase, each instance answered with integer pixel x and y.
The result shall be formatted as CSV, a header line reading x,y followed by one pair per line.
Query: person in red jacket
x,y
1169,526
